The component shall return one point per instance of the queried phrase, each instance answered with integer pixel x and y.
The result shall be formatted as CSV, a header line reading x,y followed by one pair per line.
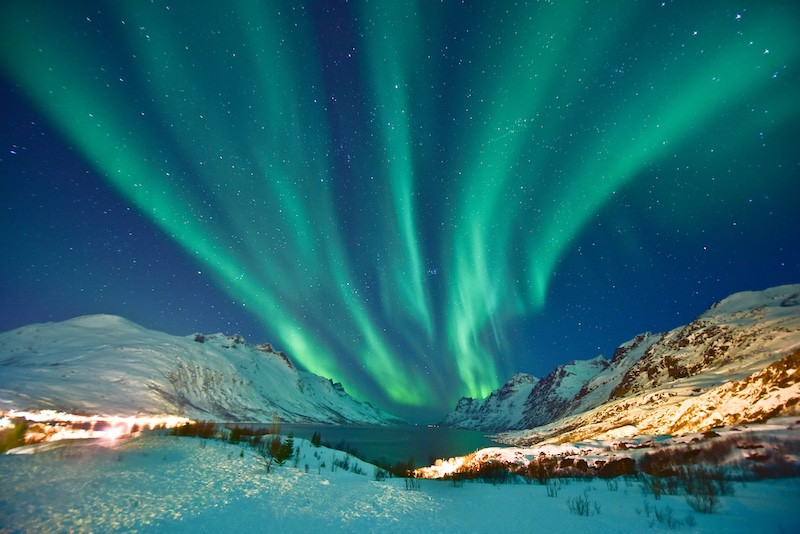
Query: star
x,y
328,199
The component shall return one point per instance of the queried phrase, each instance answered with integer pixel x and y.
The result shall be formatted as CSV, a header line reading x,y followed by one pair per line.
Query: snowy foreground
x,y
157,482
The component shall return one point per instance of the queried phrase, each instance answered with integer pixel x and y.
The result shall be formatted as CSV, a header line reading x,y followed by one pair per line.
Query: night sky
x,y
417,199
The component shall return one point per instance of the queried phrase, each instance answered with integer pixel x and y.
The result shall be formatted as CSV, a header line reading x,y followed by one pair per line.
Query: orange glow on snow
x,y
61,425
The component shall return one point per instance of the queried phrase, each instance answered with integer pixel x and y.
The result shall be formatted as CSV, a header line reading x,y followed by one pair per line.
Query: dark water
x,y
396,443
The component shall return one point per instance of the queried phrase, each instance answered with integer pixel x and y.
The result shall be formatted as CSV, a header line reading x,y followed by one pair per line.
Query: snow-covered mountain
x,y
552,394
734,363
525,401
501,410
102,364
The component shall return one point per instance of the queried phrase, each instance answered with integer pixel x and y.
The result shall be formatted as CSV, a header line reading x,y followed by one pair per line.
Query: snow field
x,y
165,483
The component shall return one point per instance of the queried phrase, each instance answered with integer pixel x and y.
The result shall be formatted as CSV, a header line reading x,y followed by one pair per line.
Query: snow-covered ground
x,y
157,482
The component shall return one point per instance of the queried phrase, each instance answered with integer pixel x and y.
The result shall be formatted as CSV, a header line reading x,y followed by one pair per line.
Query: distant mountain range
x,y
733,364
103,364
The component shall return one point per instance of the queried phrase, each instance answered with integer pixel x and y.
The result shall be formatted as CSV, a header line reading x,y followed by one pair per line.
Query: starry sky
x,y
415,198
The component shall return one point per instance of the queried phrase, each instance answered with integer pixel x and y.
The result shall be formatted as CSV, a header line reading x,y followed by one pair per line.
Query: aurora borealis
x,y
417,199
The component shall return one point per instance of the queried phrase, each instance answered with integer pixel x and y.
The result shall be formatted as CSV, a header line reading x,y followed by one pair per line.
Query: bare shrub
x,y
666,517
617,467
664,462
412,483
402,469
672,485
697,479
552,488
716,452
582,506
778,464
703,488
343,463
579,505
199,429
491,471
356,469
494,473
652,485
380,474
541,469
705,503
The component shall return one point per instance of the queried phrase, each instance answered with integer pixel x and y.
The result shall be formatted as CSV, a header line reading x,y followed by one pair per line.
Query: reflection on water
x,y
396,443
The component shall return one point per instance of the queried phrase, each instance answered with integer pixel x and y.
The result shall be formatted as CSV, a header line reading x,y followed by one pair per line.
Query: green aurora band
x,y
214,122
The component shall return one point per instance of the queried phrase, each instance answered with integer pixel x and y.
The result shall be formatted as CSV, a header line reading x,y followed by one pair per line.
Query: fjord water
x,y
394,444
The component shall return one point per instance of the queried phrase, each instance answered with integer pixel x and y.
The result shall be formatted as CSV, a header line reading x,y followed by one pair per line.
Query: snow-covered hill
x,y
734,363
102,364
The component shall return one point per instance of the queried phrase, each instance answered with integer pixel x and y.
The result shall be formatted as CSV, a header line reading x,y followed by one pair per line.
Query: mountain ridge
x,y
101,364
502,406
730,343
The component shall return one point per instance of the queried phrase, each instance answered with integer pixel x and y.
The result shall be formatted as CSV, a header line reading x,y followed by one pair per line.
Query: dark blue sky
x,y
417,203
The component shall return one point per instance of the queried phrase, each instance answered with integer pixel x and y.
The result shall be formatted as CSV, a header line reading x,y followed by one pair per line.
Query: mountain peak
x,y
746,301
102,321
522,378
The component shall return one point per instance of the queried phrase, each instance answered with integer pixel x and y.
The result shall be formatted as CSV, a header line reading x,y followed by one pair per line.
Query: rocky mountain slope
x,y
501,410
734,363
103,364
553,393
